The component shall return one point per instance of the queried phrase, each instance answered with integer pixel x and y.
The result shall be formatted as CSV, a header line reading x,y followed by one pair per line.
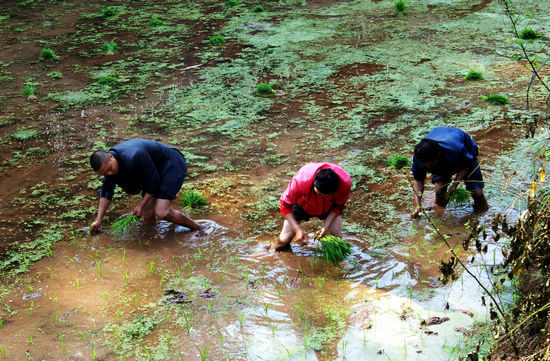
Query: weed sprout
x,y
156,22
264,89
216,40
109,80
30,91
109,48
257,9
192,199
397,162
400,7
529,34
232,3
109,12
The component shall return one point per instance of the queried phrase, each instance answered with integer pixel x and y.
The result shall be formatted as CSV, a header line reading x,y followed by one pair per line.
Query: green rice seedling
x,y
216,40
156,22
400,7
108,12
124,225
62,343
529,34
459,196
236,257
146,352
31,309
192,199
203,352
77,284
474,75
200,253
257,9
232,3
109,48
398,162
334,249
123,254
496,99
152,267
2,351
93,350
264,89
241,320
73,235
107,80
30,341
50,254
136,298
47,54
187,320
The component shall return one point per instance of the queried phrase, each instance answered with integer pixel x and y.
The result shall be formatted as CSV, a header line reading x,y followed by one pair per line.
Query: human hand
x,y
138,210
416,212
94,227
301,237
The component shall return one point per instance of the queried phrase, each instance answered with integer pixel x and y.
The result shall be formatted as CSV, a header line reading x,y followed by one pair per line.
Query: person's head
x,y
104,163
326,181
427,152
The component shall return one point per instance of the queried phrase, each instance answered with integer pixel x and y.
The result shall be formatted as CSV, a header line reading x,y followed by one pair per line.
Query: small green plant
x,y
529,34
24,134
109,12
30,91
257,9
109,48
54,75
496,99
216,40
334,249
264,89
400,7
124,225
107,80
232,3
47,54
397,162
156,22
192,199
459,196
474,75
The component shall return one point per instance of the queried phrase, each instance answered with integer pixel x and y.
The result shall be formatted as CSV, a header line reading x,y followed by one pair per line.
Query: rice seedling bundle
x,y
459,196
334,249
124,225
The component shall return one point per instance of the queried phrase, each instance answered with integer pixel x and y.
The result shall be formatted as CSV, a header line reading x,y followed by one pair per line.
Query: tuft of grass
x,y
264,89
334,249
107,80
232,3
29,91
193,199
474,75
47,54
496,99
398,162
400,7
216,40
124,225
257,9
459,196
109,48
529,34
156,22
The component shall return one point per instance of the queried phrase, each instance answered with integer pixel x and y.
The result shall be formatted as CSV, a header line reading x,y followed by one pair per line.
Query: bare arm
x,y
101,209
138,210
459,176
328,222
418,189
300,235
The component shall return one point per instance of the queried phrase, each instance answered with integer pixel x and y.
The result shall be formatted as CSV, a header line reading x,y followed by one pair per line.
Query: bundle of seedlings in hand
x,y
459,196
124,225
334,249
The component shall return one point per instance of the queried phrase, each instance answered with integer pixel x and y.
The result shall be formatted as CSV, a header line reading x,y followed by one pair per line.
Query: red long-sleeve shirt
x,y
300,191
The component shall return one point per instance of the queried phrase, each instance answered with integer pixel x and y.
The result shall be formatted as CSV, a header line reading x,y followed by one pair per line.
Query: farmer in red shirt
x,y
317,190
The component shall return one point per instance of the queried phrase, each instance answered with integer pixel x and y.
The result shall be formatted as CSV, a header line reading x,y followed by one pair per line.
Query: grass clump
x,y
124,225
193,199
30,91
496,99
109,12
400,7
459,196
257,9
264,89
334,249
109,48
529,34
47,54
474,75
107,80
397,162
216,40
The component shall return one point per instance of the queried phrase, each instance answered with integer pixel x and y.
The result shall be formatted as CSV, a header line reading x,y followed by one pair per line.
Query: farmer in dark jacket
x,y
147,166
444,152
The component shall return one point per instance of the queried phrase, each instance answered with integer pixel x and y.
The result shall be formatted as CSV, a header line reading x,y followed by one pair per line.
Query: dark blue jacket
x,y
141,162
458,151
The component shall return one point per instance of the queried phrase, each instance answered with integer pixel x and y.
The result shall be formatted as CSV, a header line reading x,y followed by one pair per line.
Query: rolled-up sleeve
x,y
108,188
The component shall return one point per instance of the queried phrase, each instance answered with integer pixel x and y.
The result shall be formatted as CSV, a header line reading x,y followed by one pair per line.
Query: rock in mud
x,y
208,294
434,321
176,297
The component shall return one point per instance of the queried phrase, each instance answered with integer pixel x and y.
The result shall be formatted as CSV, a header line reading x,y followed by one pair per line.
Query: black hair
x,y
326,181
98,158
426,150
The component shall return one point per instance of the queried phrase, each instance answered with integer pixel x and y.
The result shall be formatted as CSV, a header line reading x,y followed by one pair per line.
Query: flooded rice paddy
x,y
354,83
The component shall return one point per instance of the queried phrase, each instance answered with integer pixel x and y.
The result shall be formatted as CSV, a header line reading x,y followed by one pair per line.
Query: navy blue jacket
x,y
142,164
458,151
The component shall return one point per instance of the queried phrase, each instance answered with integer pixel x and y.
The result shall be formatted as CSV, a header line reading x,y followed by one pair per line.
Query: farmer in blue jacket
x,y
147,166
444,152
